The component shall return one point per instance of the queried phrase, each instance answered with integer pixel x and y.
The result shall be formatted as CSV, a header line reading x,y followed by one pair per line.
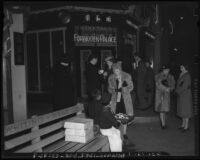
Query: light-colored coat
x,y
162,98
125,92
184,101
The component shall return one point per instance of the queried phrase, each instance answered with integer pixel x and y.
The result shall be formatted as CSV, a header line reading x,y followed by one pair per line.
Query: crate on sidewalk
x,y
79,130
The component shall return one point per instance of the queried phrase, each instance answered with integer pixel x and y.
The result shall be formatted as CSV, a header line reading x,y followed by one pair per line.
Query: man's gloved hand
x,y
118,90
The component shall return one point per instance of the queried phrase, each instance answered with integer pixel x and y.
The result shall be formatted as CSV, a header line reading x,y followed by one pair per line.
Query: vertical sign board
x,y
19,48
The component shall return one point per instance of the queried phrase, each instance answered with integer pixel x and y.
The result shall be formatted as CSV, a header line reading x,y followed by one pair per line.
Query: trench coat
x,y
162,97
184,101
125,92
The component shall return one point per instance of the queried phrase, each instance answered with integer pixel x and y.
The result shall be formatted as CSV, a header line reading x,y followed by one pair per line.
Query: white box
x,y
80,139
79,123
77,132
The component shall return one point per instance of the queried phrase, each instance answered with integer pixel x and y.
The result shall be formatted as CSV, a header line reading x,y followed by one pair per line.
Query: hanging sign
x,y
95,36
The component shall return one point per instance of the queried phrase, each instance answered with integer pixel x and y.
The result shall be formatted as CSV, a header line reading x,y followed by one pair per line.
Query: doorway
x,y
84,54
101,52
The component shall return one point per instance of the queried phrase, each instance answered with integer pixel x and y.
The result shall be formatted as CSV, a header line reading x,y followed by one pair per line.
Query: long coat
x,y
140,76
106,96
162,97
63,90
184,101
149,80
93,78
141,82
125,92
149,86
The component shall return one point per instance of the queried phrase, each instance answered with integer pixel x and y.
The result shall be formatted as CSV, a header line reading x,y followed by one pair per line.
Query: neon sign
x,y
95,38
95,35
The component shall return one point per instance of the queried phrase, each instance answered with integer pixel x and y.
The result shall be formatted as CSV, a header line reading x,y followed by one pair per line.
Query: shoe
x,y
180,128
125,137
185,130
164,127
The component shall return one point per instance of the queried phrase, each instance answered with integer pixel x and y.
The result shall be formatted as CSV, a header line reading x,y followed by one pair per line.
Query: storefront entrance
x,y
102,52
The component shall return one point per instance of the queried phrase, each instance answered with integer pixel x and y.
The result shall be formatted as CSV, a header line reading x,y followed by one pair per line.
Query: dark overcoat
x,y
93,79
141,82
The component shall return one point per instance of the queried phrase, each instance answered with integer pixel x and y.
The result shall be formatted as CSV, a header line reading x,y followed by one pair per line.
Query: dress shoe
x,y
125,137
164,127
180,127
185,130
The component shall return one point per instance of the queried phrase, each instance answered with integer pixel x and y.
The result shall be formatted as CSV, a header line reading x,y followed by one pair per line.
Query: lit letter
x,y
98,18
87,17
108,19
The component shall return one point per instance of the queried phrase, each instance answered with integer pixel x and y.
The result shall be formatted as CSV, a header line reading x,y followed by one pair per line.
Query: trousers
x,y
114,138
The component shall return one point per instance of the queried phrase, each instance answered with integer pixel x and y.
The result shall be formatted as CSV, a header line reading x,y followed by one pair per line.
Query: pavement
x,y
148,136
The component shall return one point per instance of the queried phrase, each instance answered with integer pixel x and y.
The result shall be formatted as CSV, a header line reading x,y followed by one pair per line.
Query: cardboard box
x,y
80,139
79,123
77,132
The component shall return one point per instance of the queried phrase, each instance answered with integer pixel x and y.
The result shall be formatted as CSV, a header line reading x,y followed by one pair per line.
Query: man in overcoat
x,y
63,86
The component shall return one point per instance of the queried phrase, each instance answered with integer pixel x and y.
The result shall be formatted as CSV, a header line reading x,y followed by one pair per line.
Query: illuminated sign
x,y
95,35
95,38
87,17
98,18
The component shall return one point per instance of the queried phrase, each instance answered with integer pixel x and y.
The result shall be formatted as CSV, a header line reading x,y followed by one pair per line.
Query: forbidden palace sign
x,y
95,36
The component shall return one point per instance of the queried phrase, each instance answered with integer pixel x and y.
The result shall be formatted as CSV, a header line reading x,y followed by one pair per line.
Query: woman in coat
x,y
165,83
184,101
120,86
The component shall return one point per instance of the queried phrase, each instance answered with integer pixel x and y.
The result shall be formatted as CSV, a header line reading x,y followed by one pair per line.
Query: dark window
x,y
44,58
57,45
32,62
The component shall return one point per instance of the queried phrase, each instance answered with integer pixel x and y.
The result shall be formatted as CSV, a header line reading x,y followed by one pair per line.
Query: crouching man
x,y
109,126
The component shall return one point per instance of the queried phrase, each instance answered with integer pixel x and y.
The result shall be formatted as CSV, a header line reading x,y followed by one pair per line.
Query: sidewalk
x,y
150,137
